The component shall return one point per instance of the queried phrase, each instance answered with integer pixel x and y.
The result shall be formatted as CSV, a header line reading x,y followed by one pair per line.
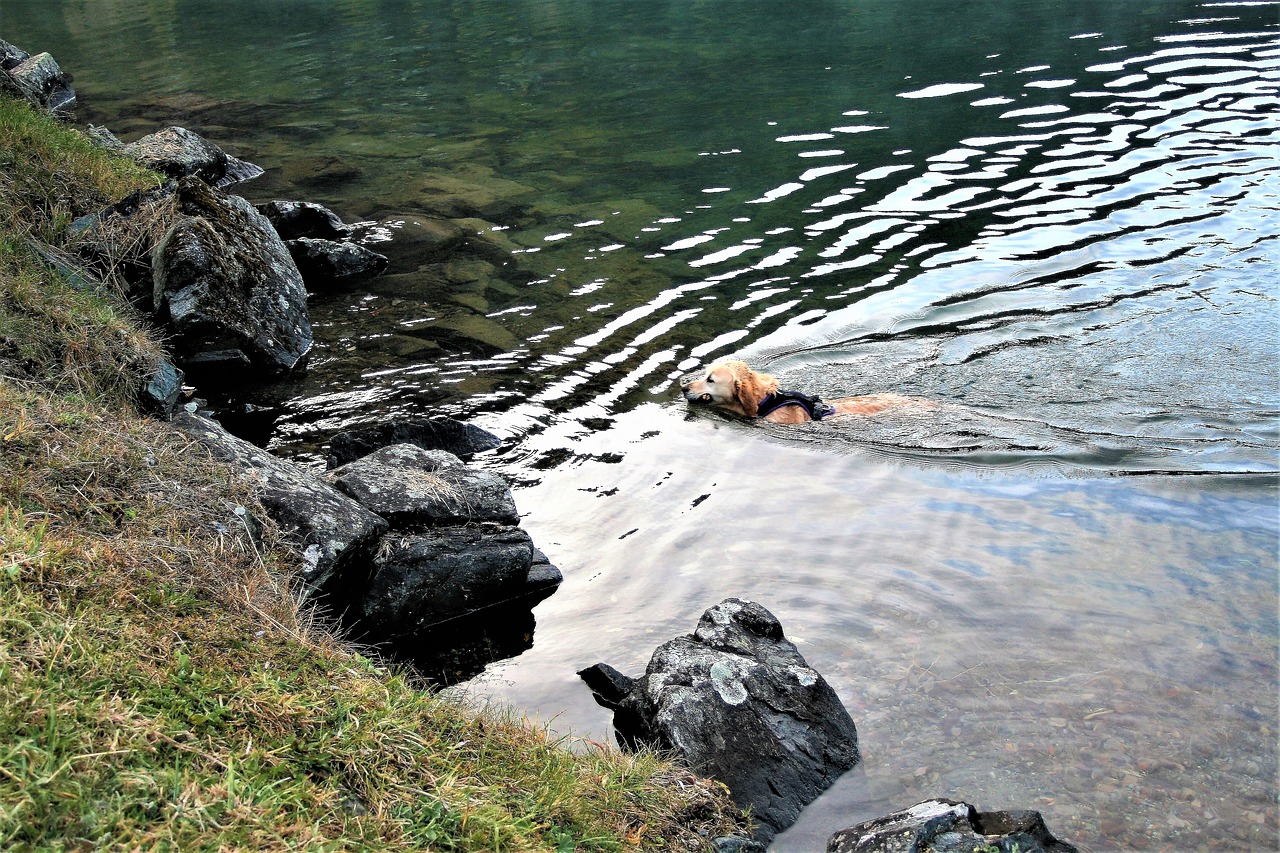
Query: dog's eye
x,y
711,380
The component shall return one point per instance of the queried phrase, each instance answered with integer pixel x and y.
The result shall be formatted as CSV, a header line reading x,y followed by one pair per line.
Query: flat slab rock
x,y
947,826
739,703
414,488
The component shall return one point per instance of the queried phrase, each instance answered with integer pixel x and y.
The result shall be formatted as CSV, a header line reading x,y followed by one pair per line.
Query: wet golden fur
x,y
734,387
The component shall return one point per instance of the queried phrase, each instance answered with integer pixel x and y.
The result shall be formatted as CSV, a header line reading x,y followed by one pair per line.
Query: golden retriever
x,y
734,387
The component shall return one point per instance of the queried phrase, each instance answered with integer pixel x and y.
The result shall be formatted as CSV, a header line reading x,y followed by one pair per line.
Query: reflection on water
x,y
1059,223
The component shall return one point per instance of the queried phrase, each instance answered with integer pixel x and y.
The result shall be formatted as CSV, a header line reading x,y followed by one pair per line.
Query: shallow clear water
x,y
1056,590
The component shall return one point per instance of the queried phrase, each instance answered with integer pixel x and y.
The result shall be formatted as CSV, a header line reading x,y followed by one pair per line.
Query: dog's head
x,y
730,385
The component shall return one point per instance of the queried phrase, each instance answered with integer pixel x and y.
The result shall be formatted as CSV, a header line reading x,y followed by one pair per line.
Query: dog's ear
x,y
750,387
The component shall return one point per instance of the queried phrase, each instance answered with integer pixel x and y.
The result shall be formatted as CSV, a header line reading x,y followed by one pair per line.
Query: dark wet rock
x,y
178,153
461,439
162,389
326,264
455,651
436,576
414,488
609,686
294,219
43,82
335,534
738,702
228,288
947,826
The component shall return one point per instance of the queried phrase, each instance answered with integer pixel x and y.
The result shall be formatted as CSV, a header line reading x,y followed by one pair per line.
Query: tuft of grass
x,y
161,685
51,174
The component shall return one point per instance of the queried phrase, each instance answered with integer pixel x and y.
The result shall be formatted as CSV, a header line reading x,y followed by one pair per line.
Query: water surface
x,y
1056,590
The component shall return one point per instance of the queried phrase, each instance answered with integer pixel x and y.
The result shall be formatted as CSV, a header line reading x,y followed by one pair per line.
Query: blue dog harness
x,y
814,406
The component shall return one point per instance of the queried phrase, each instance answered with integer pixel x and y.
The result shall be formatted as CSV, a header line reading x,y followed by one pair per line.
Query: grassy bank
x,y
160,686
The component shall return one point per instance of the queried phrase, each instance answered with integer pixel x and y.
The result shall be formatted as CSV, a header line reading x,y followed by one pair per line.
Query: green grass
x,y
161,687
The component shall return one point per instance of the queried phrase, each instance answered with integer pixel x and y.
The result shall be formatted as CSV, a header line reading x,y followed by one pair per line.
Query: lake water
x,y
1056,590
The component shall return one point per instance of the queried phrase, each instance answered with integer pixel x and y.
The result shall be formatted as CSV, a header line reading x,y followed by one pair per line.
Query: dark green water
x,y
1059,221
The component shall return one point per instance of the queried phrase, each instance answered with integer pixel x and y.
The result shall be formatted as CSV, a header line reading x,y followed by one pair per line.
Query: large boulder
x,y
334,533
425,579
461,439
225,284
414,488
739,703
947,826
179,153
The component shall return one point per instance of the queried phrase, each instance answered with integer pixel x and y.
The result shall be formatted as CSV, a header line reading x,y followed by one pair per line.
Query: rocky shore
x,y
404,540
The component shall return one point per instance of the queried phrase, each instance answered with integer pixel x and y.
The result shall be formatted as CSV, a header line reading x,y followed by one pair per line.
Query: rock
x,y
162,389
321,172
422,580
178,153
105,138
334,533
609,686
739,703
11,56
461,439
44,83
414,488
294,219
325,264
471,333
411,242
947,826
228,288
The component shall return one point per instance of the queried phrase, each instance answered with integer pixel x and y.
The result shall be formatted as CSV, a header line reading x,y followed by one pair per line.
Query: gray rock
x,y
228,288
423,580
461,439
334,533
162,389
179,153
326,264
294,219
739,703
947,826
44,83
11,55
105,138
414,488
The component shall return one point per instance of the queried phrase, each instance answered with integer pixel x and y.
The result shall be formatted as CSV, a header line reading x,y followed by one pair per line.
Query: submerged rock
x,y
739,703
947,826
226,285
